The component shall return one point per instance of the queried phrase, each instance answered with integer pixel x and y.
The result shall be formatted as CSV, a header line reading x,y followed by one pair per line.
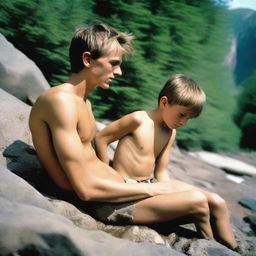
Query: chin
x,y
104,86
173,127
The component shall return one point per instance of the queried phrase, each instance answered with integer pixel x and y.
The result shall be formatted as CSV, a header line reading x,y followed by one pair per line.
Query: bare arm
x,y
80,164
113,132
161,167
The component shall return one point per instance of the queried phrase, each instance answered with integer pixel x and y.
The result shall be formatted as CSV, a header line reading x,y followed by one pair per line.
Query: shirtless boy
x,y
146,138
63,128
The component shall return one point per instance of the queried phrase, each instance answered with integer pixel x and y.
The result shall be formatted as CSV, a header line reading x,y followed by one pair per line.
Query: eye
x,y
182,115
115,63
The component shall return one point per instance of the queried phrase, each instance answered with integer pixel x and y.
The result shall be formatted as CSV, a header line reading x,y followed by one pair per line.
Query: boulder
x,y
18,74
226,163
13,121
170,236
24,228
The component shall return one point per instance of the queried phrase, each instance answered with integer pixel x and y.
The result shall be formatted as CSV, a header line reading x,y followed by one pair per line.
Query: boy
x,y
145,140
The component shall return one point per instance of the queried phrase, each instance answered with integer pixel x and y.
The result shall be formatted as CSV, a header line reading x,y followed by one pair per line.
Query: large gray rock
x,y
169,235
13,122
18,74
17,190
29,224
226,163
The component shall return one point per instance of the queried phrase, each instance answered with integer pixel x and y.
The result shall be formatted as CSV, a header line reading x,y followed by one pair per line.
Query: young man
x,y
63,128
145,140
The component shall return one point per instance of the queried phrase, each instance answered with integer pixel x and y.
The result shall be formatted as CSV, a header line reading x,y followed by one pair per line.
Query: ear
x,y
163,101
86,59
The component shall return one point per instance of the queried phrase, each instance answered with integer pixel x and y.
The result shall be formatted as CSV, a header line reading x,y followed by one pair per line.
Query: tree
x,y
245,116
42,33
178,36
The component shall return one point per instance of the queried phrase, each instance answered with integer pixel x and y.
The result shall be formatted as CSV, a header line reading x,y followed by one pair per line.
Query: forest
x,y
171,36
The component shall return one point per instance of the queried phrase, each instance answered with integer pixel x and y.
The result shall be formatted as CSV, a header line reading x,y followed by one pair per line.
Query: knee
x,y
217,202
200,203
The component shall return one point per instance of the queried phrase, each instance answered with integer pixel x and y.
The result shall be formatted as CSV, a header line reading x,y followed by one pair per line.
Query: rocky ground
x,y
34,223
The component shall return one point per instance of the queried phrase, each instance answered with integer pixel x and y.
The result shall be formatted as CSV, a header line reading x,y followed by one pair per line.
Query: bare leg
x,y
169,207
218,212
220,220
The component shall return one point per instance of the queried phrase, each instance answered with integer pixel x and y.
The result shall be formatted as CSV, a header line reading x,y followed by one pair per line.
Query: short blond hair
x,y
99,39
184,91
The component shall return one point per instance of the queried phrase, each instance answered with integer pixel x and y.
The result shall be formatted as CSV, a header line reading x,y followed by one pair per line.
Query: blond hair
x,y
99,39
184,91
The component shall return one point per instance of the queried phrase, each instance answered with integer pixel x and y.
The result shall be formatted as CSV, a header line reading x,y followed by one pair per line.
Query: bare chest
x,y
151,140
86,126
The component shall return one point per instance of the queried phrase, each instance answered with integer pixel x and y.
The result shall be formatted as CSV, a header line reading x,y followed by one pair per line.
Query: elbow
x,y
89,191
100,140
85,195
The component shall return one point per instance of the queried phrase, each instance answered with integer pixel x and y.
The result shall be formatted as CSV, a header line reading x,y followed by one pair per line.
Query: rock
x,y
226,163
40,229
18,74
17,190
13,121
252,221
249,203
140,234
28,223
179,240
79,218
206,247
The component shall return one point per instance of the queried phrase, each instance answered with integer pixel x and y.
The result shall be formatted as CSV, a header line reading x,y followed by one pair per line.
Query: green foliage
x,y
245,116
42,33
245,23
178,36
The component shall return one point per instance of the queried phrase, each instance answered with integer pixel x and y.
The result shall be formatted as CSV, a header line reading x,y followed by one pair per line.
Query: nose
x,y
183,122
117,71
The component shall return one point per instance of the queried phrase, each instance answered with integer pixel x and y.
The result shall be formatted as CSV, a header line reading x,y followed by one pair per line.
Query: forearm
x,y
113,191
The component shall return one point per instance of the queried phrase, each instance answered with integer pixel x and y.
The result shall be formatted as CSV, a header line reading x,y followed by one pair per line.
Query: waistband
x,y
150,180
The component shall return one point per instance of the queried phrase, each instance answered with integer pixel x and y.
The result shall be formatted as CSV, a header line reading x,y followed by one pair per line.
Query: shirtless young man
x,y
145,140
63,128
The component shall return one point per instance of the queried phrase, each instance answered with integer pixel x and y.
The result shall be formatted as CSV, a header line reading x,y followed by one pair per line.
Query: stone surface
x,y
248,203
19,156
18,74
30,222
34,221
226,163
13,122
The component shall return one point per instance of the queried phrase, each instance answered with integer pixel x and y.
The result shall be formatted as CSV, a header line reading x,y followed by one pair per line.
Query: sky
x,y
242,4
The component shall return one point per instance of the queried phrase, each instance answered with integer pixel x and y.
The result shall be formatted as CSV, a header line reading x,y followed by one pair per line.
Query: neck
x,y
156,116
79,85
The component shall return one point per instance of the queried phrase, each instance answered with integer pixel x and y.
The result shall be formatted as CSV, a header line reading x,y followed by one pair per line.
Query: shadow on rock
x,y
57,245
23,161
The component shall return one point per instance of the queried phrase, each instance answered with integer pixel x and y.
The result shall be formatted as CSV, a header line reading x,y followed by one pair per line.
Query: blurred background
x,y
211,41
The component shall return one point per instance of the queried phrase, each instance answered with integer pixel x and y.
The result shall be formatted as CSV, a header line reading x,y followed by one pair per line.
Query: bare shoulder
x,y
139,116
55,96
53,102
